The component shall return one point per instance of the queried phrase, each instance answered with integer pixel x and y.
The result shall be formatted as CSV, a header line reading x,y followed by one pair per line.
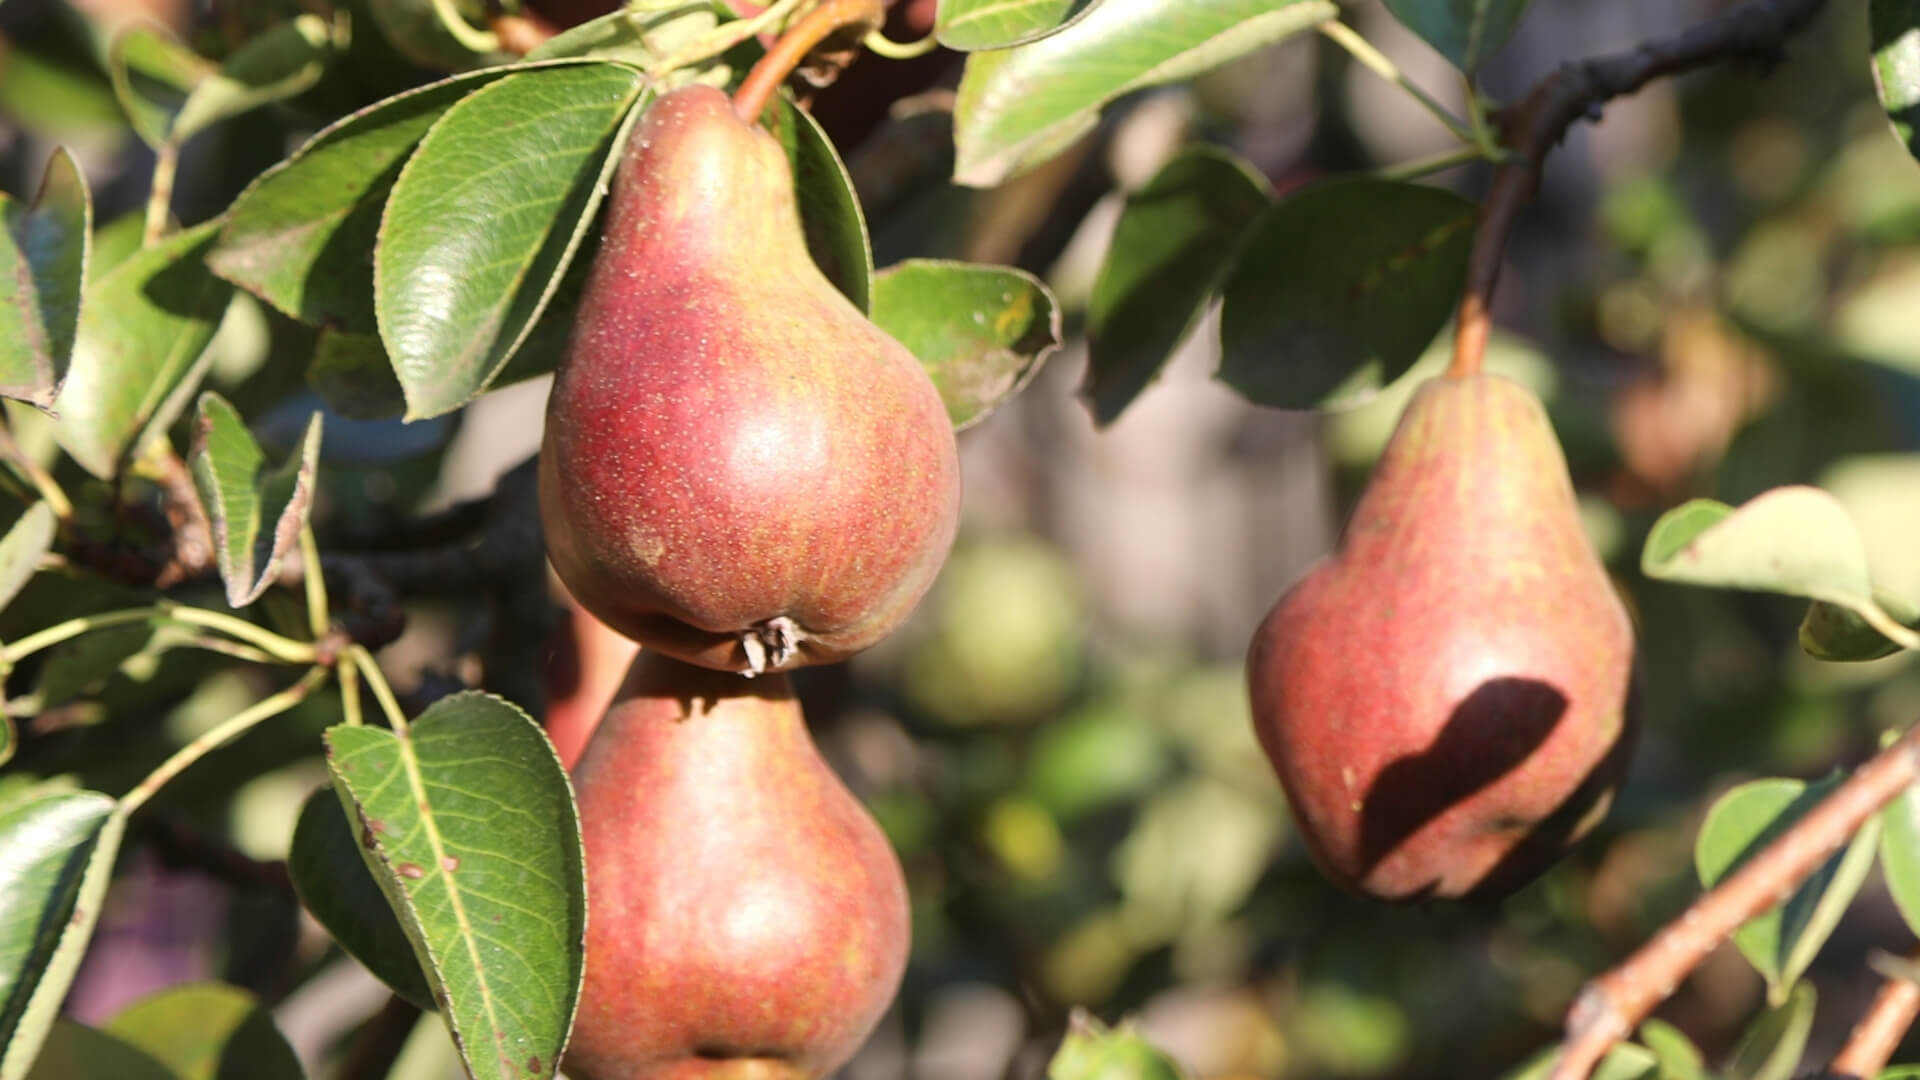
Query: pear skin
x,y
1450,698
746,917
739,469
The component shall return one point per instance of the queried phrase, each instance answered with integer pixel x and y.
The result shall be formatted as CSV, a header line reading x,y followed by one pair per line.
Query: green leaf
x,y
153,74
1017,107
1900,854
257,512
1466,32
972,25
44,249
830,214
484,219
274,66
76,1052
1795,540
1773,1044
139,355
56,856
22,547
114,243
1175,241
208,1031
1831,632
1339,289
471,831
982,332
643,38
334,884
75,667
1673,1052
1783,941
300,236
1092,1051
1894,26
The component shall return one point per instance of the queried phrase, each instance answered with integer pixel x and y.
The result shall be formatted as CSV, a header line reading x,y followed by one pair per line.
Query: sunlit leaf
x,y
257,512
44,252
207,1031
1019,106
56,856
469,827
141,347
982,332
970,25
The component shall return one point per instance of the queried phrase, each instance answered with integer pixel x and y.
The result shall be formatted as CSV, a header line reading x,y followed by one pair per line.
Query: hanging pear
x,y
1449,699
739,469
746,918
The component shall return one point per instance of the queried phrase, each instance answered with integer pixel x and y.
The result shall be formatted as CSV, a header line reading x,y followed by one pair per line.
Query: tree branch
x,y
1754,32
1878,1034
1612,1005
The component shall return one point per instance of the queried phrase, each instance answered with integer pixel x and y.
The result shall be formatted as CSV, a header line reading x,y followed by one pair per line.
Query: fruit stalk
x,y
822,22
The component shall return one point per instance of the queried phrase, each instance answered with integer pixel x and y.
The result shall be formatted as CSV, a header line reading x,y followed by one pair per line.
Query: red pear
x,y
1449,698
746,918
739,469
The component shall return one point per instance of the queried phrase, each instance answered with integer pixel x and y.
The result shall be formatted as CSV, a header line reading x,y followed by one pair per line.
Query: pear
x,y
738,469
746,918
1449,699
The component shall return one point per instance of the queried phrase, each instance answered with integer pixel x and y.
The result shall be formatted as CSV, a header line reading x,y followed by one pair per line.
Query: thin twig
x,y
1754,31
1878,1034
1614,1004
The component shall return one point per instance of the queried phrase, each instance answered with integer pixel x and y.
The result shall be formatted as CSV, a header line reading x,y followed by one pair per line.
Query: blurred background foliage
x,y
1717,292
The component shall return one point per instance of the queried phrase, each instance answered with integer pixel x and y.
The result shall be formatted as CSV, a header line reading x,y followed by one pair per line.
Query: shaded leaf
x,y
56,856
207,1031
1172,247
1894,26
1340,288
484,218
334,884
830,214
76,1052
152,76
273,66
1782,942
139,355
1017,107
1831,632
44,249
1795,540
256,512
1773,1044
22,547
301,235
970,25
77,666
352,374
1900,854
1624,1062
468,825
1466,32
981,332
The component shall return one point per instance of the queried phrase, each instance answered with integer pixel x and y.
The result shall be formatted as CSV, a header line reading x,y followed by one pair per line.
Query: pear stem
x,y
1612,1005
800,39
1754,32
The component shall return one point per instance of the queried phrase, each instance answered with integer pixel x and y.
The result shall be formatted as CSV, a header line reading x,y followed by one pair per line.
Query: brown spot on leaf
x,y
533,1064
410,870
449,863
